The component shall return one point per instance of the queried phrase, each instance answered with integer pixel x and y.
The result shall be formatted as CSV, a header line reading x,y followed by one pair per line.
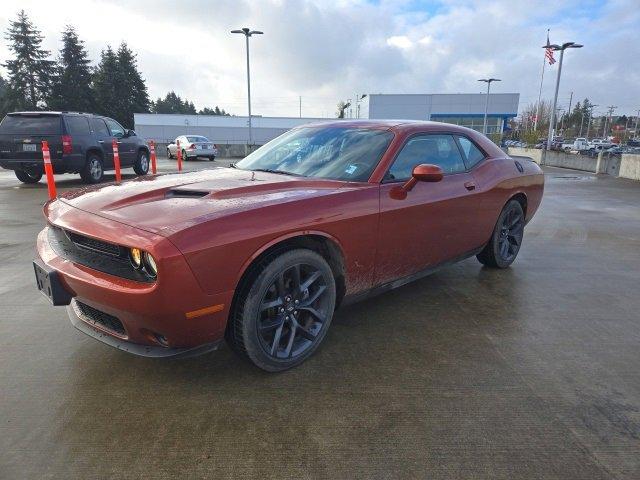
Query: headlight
x,y
136,257
150,264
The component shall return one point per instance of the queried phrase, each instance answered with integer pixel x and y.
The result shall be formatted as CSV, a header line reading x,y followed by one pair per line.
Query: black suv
x,y
78,143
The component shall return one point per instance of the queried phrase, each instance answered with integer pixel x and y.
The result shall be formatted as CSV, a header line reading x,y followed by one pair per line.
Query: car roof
x,y
49,112
395,125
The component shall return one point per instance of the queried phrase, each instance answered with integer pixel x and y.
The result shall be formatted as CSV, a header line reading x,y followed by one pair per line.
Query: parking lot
x,y
530,372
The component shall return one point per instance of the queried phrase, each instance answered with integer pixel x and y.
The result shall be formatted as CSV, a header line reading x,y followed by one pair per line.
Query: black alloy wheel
x,y
505,242
293,311
284,310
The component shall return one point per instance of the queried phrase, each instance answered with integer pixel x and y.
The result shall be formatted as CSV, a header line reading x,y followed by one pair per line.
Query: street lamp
x,y
486,104
247,32
561,49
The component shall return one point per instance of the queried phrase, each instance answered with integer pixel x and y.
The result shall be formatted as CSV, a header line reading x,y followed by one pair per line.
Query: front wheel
x,y
141,165
28,176
284,310
504,245
169,156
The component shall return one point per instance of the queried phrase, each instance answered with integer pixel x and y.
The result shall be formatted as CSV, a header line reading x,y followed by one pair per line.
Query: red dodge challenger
x,y
263,252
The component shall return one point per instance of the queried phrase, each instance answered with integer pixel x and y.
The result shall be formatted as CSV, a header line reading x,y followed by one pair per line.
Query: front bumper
x,y
82,323
155,317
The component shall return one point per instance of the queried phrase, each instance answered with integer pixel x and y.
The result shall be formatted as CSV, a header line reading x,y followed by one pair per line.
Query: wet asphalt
x,y
471,373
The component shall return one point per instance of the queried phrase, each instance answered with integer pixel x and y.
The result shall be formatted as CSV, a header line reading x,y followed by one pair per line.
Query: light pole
x,y
486,103
247,32
561,49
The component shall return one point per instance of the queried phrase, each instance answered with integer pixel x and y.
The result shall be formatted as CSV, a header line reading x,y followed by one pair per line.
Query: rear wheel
x,y
284,310
141,165
169,156
184,156
29,175
506,239
93,171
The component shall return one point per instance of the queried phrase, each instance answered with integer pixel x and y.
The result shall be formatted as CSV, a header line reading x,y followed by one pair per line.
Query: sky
x,y
325,51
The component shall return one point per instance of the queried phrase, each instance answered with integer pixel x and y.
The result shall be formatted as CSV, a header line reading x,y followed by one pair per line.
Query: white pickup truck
x,y
578,144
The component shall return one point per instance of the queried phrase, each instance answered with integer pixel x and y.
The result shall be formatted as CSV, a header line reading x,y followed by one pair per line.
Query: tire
x,y
184,156
506,239
211,159
93,171
276,322
29,177
141,165
169,156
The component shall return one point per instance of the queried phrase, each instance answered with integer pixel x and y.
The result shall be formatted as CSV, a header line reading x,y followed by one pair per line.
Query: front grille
x,y
97,317
93,244
97,258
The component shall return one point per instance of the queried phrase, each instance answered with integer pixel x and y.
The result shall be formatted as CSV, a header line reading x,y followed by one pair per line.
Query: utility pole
x,y
591,107
608,118
635,130
300,105
581,123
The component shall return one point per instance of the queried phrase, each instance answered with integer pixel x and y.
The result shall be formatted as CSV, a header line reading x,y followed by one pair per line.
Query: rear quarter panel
x,y
498,180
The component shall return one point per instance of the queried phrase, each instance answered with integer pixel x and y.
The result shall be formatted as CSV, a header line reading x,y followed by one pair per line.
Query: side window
x,y
77,125
116,129
438,150
98,126
472,153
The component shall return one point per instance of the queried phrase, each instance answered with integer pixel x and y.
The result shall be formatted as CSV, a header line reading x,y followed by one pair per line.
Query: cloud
x,y
330,51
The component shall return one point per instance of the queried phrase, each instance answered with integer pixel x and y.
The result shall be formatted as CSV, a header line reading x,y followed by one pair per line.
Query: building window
x,y
494,124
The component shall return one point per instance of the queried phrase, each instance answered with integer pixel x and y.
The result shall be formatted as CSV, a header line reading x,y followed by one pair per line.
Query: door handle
x,y
470,185
100,141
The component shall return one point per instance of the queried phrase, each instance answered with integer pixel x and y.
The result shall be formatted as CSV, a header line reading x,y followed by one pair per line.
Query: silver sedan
x,y
192,146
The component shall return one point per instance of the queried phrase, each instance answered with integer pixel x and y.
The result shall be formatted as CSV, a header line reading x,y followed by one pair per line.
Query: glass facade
x,y
494,124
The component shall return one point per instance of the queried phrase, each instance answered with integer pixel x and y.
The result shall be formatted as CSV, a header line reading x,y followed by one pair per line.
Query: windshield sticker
x,y
350,169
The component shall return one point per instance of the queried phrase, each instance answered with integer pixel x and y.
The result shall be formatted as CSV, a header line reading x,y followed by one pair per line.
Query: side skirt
x,y
385,287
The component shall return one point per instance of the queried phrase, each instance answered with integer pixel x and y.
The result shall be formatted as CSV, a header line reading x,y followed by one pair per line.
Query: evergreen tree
x,y
131,87
72,85
172,103
3,97
214,111
30,71
105,81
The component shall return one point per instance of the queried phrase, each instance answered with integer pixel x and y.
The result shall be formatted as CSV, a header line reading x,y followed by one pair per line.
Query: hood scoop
x,y
185,193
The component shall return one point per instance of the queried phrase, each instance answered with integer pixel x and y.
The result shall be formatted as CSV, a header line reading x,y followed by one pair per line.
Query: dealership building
x,y
466,109
460,109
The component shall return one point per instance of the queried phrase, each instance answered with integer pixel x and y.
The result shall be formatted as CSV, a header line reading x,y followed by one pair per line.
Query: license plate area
x,y
48,282
29,147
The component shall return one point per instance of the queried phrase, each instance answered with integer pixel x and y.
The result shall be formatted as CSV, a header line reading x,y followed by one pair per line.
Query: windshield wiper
x,y
279,172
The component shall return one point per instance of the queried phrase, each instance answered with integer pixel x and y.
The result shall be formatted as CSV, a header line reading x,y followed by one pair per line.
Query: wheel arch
x,y
521,198
95,150
320,242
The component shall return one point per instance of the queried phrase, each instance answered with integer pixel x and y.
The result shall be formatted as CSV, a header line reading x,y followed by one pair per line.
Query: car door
x,y
102,136
126,144
428,225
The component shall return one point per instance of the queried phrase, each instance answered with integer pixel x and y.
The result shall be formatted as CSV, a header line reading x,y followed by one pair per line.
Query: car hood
x,y
166,204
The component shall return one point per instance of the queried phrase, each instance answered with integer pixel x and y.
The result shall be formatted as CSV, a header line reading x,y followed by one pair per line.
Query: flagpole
x,y
544,61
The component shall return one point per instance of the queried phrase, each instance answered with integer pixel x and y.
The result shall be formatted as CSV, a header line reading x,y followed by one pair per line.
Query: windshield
x,y
325,152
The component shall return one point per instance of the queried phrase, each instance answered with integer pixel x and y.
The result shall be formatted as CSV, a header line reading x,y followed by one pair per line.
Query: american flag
x,y
548,52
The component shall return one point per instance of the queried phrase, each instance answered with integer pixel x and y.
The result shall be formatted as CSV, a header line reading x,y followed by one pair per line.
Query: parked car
x,y
262,253
78,143
193,146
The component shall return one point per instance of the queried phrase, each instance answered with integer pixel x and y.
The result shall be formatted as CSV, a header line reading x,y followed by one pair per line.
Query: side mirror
x,y
129,133
427,173
424,172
